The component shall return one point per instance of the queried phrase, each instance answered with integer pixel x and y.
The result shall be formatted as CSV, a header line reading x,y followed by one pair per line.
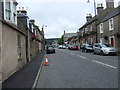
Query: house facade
x,y
67,36
109,28
19,40
36,37
13,40
88,33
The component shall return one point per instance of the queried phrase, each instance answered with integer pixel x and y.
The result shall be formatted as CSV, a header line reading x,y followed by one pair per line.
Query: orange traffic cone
x,y
46,61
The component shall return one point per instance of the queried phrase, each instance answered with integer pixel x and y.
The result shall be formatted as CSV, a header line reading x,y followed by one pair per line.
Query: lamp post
x,y
43,36
95,18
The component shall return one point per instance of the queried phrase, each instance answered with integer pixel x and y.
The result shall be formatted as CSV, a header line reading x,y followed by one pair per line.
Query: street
x,y
75,69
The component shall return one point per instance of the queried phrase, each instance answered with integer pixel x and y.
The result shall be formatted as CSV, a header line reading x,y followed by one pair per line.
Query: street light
x,y
95,18
43,35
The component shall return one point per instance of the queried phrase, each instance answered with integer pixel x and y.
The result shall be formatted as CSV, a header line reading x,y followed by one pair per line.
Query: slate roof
x,y
98,17
113,13
21,15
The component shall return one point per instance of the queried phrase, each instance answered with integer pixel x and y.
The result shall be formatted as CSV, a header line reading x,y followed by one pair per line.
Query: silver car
x,y
104,49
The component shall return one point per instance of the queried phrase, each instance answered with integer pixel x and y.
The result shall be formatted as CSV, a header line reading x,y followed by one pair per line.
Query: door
x,y
112,42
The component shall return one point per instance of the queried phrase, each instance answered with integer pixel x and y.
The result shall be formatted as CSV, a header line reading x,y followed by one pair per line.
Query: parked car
x,y
73,47
86,48
62,47
50,49
104,49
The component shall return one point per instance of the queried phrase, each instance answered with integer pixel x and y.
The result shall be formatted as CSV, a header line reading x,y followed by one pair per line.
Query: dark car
x,y
86,48
50,49
73,47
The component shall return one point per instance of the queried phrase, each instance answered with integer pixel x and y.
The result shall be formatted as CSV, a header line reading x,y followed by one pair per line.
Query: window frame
x,y
111,24
101,28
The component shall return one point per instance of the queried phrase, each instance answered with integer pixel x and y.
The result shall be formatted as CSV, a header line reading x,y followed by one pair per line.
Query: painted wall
x,y
10,62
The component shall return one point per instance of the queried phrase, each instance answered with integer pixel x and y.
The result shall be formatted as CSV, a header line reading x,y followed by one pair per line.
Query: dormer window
x,y
10,13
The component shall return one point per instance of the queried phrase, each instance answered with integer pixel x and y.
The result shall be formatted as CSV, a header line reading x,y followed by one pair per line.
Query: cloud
x,y
59,15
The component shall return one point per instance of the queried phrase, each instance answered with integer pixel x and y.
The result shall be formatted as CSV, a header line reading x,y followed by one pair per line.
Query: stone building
x,y
109,28
88,33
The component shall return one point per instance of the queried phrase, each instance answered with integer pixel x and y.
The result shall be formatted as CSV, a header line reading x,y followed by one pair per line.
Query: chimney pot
x,y
22,8
99,8
110,3
88,17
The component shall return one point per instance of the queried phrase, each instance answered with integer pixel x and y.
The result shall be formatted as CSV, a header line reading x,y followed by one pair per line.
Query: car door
x,y
99,49
96,48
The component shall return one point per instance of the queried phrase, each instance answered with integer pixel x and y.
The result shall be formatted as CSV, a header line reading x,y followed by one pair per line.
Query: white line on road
x,y
72,54
104,64
82,57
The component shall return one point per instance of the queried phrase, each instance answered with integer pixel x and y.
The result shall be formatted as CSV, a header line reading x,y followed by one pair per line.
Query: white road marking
x,y
82,57
104,64
72,54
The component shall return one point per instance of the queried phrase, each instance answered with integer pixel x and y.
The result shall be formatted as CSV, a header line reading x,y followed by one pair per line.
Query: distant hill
x,y
50,40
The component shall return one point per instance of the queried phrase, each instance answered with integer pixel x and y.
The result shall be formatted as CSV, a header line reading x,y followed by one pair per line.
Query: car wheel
x,y
94,52
102,53
86,50
82,50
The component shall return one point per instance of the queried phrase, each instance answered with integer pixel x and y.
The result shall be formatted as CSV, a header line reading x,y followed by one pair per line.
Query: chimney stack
x,y
110,3
99,8
32,21
88,17
22,10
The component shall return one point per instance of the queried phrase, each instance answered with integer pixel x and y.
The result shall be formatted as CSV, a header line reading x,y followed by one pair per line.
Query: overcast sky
x,y
59,15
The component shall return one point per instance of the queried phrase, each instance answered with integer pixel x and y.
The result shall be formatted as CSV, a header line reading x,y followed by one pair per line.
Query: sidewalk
x,y
24,78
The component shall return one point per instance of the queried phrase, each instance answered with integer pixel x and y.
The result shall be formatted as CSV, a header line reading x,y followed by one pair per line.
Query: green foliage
x,y
61,40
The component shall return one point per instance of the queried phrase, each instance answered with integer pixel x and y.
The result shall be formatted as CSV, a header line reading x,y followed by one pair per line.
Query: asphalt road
x,y
75,69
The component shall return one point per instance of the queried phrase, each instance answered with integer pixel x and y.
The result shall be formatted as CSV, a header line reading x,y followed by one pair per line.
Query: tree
x,y
61,40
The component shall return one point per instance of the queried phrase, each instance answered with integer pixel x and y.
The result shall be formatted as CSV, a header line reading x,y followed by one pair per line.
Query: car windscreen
x,y
106,45
73,45
90,46
50,47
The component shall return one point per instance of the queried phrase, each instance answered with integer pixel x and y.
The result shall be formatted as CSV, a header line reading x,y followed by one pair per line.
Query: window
x,y
91,28
82,32
10,13
86,30
102,40
35,32
101,28
111,24
14,12
18,41
8,10
91,40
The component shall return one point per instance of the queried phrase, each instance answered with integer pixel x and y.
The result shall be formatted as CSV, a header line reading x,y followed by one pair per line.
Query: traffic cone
x,y
46,61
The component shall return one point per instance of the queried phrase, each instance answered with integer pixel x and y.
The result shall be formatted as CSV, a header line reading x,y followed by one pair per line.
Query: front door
x,y
112,41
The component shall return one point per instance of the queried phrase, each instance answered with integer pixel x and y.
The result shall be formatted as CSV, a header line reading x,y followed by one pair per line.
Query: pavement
x,y
25,77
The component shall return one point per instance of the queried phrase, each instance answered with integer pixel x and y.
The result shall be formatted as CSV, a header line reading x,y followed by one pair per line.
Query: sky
x,y
60,15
